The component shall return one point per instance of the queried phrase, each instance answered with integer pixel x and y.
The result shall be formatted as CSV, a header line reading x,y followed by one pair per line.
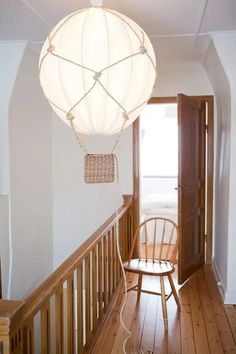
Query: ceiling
x,y
179,29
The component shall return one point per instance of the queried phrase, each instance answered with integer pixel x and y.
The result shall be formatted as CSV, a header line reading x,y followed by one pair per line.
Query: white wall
x,y
189,78
30,179
222,120
225,47
80,208
10,57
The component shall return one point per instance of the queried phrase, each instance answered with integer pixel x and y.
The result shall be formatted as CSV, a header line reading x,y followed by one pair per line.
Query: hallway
x,y
203,326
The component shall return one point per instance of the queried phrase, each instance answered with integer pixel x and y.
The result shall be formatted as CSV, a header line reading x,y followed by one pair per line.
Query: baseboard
x,y
219,281
228,297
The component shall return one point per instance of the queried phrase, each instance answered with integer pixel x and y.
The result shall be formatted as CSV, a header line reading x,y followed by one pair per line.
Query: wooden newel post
x,y
127,198
8,310
131,223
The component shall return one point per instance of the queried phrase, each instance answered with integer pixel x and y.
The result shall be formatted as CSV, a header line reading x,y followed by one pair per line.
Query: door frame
x,y
210,167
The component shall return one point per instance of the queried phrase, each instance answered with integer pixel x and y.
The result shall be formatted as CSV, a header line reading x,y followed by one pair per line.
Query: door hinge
x,y
205,236
206,128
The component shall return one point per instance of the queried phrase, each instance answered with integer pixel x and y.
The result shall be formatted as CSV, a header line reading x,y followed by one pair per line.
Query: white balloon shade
x,y
97,68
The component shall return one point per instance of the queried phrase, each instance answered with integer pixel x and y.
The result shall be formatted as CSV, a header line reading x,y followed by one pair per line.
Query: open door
x,y
191,185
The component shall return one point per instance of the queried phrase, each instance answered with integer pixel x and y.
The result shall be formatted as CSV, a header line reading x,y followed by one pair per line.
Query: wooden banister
x,y
86,282
0,280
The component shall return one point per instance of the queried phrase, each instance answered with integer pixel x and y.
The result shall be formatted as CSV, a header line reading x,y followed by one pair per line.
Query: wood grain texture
x,y
224,329
199,330
231,315
202,326
191,185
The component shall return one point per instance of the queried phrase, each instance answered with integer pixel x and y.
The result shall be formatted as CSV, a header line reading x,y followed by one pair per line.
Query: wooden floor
x,y
202,326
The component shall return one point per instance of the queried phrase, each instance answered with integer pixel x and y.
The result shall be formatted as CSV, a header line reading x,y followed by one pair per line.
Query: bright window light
x,y
159,140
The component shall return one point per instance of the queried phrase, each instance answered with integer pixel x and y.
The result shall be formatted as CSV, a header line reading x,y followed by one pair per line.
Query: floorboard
x,y
137,325
203,326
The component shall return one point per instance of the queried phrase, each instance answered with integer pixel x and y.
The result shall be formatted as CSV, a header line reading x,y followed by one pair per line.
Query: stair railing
x,y
65,314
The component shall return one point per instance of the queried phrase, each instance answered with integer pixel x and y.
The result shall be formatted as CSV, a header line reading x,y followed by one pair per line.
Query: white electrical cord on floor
x,y
125,286
125,292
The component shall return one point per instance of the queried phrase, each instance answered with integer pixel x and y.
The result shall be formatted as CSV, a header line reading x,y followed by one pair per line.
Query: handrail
x,y
38,296
96,253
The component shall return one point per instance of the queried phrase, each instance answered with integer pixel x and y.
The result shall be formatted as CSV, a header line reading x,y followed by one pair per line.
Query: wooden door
x,y
191,185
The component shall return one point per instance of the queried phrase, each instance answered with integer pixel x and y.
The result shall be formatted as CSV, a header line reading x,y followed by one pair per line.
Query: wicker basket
x,y
99,168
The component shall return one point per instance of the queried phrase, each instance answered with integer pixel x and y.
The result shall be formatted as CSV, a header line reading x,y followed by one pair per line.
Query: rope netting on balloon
x,y
96,75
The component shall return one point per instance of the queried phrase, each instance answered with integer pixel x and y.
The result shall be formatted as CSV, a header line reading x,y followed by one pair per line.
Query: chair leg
x,y
140,279
163,301
174,290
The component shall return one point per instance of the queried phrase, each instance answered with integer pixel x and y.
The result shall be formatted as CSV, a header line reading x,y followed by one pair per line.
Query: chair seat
x,y
149,267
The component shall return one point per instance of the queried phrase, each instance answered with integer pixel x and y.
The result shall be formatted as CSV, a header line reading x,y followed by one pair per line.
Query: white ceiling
x,y
179,29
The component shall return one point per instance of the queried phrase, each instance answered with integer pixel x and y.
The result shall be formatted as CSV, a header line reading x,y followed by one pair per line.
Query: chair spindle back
x,y
158,237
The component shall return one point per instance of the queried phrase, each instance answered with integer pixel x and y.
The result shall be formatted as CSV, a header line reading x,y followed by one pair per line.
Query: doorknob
x,y
177,188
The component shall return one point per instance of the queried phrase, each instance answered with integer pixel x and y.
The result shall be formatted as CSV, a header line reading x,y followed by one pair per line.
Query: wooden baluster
x,y
109,264
112,261
87,299
126,236
100,292
105,271
114,258
80,323
130,228
20,336
28,338
128,232
14,342
59,319
94,287
122,236
18,345
118,233
122,239
45,329
127,199
70,314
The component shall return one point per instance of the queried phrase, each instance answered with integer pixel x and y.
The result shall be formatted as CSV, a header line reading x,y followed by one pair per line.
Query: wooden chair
x,y
158,255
